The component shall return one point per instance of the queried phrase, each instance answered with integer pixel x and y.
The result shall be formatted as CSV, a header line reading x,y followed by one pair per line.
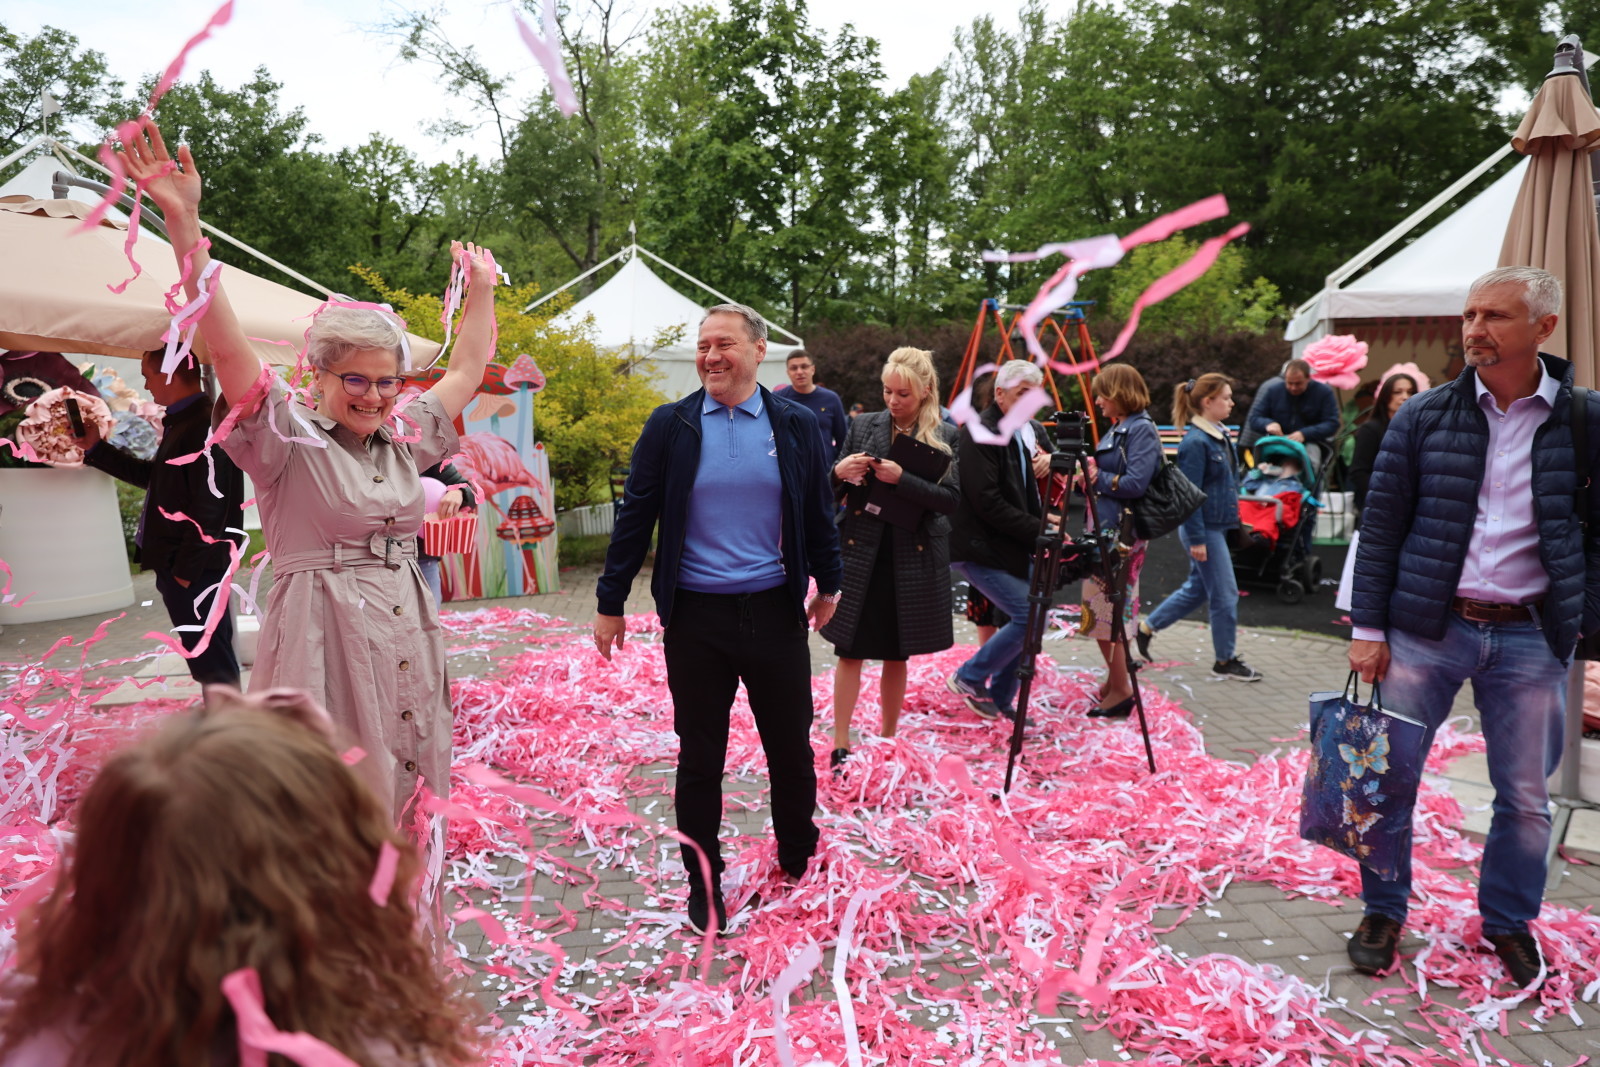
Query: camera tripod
x,y
1058,560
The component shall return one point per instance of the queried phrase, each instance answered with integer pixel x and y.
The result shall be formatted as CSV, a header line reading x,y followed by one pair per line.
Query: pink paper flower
x,y
1407,369
1335,360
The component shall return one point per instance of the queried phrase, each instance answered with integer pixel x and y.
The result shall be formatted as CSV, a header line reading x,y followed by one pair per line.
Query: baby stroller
x,y
1278,503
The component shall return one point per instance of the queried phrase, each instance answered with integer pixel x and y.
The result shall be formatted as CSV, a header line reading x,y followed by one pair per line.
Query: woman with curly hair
x,y
234,839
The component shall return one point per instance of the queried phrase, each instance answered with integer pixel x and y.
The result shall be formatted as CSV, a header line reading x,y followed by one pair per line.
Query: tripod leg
x,y
1118,590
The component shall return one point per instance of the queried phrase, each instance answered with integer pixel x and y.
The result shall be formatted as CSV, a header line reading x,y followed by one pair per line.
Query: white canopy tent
x,y
634,309
1426,279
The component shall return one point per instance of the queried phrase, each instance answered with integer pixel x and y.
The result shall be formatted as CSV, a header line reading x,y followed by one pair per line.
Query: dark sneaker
x,y
1520,954
1372,949
1236,670
700,908
1142,636
837,758
983,707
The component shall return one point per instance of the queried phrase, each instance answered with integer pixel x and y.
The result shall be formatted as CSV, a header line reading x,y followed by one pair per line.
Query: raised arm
x,y
474,344
174,185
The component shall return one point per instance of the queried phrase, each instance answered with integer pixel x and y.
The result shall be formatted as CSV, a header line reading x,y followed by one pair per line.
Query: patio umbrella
x,y
1553,224
55,295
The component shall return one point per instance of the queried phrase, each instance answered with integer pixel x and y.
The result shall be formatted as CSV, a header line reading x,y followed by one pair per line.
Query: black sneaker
x,y
1142,636
1372,949
837,757
700,908
974,697
1236,670
1520,954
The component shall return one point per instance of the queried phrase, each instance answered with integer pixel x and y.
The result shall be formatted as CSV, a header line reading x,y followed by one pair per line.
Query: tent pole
x,y
722,296
603,263
58,148
24,150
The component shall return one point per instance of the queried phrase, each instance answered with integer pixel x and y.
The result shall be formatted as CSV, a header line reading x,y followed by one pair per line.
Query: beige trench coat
x,y
350,618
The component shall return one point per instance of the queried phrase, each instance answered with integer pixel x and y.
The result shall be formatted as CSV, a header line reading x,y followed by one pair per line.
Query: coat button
x,y
919,548
405,665
858,511
411,765
851,541
377,477
407,716
398,610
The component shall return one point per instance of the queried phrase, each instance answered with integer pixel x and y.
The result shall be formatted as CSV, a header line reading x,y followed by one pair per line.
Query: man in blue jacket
x,y
736,480
1474,566
1295,407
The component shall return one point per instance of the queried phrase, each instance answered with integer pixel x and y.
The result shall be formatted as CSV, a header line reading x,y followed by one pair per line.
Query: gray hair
x,y
1541,290
755,325
339,331
1015,372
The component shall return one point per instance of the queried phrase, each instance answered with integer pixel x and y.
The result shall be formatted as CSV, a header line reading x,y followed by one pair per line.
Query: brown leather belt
x,y
1489,611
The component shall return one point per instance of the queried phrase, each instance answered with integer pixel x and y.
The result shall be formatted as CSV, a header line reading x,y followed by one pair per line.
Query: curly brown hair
x,y
229,839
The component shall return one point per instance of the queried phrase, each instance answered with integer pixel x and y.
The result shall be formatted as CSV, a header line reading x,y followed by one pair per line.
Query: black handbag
x,y
1169,499
1588,647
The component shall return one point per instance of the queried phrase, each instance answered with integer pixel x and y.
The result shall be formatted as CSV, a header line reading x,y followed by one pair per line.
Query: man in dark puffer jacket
x,y
1474,565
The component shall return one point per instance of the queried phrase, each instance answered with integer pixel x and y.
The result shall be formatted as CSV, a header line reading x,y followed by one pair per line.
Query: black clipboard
x,y
914,457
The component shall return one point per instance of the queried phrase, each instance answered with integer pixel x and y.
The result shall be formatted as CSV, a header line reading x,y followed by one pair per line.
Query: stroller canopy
x,y
1279,449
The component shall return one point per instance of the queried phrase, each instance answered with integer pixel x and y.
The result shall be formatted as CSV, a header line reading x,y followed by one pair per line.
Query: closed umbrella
x,y
55,295
1553,225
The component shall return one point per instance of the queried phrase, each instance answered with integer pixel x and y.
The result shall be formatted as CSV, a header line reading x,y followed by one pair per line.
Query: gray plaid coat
x,y
921,556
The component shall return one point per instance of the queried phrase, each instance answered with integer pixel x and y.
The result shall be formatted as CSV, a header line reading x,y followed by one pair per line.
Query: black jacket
x,y
998,519
921,556
176,547
661,476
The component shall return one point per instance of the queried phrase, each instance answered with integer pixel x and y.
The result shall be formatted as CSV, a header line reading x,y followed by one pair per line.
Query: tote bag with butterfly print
x,y
1361,783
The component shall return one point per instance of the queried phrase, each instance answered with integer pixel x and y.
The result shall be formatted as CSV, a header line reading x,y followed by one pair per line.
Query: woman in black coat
x,y
896,601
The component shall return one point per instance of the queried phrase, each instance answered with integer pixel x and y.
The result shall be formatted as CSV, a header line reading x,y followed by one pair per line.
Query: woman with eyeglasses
x,y
349,618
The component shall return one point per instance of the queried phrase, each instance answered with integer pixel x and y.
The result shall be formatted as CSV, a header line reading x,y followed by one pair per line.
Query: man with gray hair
x,y
738,484
1473,566
992,537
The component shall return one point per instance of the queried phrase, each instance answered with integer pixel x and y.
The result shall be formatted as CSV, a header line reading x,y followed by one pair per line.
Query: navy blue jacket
x,y
1315,414
665,461
1213,465
1129,455
1423,500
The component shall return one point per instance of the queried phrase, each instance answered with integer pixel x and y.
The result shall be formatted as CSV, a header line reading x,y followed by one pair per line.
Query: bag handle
x,y
1352,689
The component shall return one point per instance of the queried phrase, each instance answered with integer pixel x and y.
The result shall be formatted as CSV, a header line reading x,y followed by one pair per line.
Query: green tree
x,y
50,61
767,188
1219,300
1314,116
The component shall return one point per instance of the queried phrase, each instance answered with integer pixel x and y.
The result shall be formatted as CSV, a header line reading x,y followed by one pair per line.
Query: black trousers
x,y
218,664
715,641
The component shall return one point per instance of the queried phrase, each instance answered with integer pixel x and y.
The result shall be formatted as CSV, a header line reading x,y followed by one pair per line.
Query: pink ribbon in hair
x,y
257,1035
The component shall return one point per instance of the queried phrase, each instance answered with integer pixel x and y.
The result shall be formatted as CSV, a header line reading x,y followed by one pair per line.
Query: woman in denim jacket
x,y
1128,456
1207,457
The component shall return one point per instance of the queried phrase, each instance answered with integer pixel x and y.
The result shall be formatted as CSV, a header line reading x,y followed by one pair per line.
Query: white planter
x,y
61,535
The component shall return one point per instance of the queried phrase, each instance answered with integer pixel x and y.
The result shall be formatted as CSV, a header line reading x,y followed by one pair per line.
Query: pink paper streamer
x,y
257,1035
131,129
1171,282
383,875
1025,407
547,50
804,962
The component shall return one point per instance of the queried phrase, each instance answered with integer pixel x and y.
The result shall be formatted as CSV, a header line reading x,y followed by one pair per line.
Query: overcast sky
x,y
349,80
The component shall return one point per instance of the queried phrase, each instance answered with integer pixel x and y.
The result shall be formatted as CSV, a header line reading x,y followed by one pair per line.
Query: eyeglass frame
x,y
367,383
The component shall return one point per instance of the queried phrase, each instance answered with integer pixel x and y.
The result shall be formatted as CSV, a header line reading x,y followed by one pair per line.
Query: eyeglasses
x,y
358,384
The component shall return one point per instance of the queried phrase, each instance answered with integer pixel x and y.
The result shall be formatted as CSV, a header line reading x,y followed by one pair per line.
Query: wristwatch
x,y
830,598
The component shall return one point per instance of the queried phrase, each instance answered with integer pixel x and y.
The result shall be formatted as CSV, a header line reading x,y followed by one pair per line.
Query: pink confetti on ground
x,y
964,926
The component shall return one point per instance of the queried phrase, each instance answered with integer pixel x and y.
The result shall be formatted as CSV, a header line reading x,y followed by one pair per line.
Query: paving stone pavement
x,y
1239,722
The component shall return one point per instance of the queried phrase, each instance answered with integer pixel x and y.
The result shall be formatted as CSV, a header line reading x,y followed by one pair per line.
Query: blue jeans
x,y
995,666
429,566
1519,688
1211,583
